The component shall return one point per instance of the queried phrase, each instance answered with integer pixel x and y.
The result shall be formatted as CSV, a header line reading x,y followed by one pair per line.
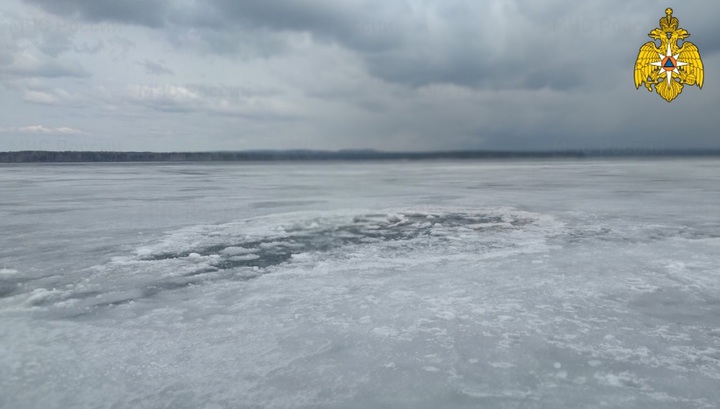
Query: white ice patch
x,y
143,251
246,257
621,380
236,251
41,296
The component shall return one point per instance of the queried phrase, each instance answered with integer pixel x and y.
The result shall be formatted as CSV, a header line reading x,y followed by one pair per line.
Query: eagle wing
x,y
689,53
643,69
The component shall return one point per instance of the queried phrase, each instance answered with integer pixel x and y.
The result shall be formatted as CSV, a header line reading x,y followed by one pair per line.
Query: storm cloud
x,y
394,75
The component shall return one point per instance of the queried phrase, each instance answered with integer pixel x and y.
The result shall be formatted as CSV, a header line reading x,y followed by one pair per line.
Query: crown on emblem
x,y
669,24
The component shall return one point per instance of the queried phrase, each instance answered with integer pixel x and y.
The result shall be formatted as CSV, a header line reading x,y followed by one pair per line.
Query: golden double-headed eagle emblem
x,y
668,67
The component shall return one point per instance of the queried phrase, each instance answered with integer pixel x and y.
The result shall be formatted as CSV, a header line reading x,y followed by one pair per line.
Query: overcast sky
x,y
405,75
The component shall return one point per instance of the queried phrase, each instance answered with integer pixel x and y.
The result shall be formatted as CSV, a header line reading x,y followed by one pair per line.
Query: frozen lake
x,y
497,284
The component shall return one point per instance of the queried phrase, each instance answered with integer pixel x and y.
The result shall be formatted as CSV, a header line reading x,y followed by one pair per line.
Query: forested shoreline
x,y
310,155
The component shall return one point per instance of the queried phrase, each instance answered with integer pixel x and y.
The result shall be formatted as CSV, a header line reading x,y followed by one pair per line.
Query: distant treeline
x,y
309,155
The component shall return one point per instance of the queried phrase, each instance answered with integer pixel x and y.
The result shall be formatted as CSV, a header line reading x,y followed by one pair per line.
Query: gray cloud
x,y
154,68
480,44
142,12
44,68
432,74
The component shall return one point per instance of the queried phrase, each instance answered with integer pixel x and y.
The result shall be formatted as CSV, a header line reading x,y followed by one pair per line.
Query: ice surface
x,y
500,285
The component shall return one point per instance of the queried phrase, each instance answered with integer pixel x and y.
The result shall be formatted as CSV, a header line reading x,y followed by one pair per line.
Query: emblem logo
x,y
668,67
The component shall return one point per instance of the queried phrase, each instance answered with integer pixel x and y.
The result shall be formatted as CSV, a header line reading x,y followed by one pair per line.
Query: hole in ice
x,y
247,249
313,237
